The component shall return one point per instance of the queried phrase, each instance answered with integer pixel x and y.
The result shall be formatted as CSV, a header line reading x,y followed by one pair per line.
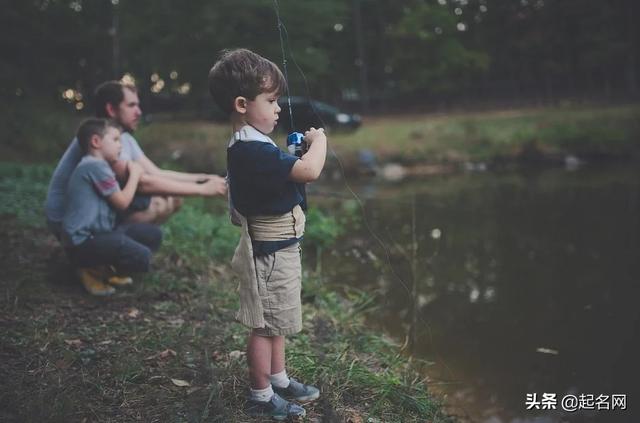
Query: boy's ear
x,y
95,141
240,105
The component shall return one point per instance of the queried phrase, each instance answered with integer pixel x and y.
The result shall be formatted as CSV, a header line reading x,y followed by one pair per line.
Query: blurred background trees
x,y
364,55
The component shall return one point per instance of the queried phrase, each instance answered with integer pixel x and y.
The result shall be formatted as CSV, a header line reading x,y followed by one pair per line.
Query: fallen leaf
x,y
236,355
176,322
180,382
163,355
217,356
62,364
77,343
547,351
133,313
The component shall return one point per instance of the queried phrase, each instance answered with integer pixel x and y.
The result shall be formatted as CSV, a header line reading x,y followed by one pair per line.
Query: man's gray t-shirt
x,y
55,205
88,211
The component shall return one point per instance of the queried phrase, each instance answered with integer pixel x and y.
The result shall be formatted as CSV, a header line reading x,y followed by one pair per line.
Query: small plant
x,y
23,189
321,231
198,234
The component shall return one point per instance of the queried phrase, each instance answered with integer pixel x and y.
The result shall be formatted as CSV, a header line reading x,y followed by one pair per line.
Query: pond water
x,y
511,283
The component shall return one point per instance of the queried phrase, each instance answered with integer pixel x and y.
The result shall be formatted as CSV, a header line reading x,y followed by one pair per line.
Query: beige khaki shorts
x,y
279,278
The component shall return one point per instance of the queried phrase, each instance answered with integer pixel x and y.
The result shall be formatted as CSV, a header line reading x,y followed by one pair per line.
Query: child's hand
x,y
134,168
313,135
215,185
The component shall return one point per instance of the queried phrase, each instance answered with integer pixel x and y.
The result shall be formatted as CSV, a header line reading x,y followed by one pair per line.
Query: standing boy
x,y
94,244
266,191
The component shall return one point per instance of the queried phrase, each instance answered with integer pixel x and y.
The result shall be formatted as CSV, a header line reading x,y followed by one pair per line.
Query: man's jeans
x,y
128,248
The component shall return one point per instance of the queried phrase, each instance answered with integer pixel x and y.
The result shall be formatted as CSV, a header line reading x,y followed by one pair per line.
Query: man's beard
x,y
128,128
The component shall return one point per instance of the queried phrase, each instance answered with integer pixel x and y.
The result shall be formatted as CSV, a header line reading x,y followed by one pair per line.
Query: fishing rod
x,y
283,34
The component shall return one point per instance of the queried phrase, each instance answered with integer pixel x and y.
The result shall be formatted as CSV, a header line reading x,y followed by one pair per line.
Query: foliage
x,y
432,50
321,230
583,132
22,192
198,234
353,362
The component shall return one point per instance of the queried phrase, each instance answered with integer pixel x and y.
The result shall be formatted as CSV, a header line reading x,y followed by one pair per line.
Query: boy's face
x,y
110,145
262,112
128,112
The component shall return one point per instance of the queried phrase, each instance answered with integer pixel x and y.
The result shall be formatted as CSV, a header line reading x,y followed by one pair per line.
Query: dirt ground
x,y
164,350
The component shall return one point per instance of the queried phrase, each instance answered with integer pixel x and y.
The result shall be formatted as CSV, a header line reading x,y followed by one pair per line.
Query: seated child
x,y
100,250
267,196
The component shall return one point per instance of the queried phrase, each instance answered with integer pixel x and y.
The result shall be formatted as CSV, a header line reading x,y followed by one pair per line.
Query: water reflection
x,y
530,285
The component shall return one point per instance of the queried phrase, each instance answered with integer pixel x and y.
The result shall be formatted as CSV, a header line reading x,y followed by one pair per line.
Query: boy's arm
x,y
308,168
120,200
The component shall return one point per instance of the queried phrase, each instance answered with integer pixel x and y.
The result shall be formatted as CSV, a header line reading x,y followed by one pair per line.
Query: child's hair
x,y
110,92
91,127
242,72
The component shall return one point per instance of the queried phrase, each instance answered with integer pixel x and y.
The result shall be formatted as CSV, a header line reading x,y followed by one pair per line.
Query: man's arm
x,y
162,185
122,199
308,168
157,183
151,168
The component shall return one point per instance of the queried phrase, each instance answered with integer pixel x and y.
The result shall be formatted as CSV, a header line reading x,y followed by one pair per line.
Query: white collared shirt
x,y
249,133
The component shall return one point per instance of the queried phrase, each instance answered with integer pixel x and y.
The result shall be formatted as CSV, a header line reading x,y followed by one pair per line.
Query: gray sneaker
x,y
276,408
298,391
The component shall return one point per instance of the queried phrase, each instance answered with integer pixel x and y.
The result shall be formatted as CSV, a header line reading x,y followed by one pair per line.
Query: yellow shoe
x,y
119,280
92,279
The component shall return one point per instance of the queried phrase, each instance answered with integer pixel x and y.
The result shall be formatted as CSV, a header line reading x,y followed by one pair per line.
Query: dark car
x,y
308,113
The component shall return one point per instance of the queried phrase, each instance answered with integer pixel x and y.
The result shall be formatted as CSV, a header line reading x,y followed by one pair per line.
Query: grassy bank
x,y
168,349
546,134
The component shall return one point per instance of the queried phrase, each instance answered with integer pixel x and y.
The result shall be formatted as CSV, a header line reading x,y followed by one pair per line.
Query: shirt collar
x,y
249,133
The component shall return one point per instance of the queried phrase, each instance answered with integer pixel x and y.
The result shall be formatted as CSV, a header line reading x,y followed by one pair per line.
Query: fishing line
x,y
283,30
284,60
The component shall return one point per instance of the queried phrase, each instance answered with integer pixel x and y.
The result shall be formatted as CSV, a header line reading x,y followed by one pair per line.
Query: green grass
x,y
71,357
431,138
488,135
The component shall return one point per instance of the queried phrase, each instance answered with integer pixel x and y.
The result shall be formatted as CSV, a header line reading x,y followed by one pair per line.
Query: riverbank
x,y
168,348
435,143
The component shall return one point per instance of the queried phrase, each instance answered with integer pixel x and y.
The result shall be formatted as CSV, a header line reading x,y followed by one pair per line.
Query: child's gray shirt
x,y
87,211
56,201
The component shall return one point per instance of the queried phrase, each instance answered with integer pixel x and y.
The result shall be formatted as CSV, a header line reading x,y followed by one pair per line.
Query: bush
x,y
199,234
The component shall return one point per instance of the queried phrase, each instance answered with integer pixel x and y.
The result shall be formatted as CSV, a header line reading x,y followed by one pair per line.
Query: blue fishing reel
x,y
296,144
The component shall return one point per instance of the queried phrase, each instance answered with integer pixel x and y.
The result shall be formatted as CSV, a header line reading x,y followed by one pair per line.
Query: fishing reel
x,y
296,144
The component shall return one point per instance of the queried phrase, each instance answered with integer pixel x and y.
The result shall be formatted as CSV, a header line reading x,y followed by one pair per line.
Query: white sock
x,y
263,395
280,380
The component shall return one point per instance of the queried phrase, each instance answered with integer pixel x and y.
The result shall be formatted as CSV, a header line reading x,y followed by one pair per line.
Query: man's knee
x,y
159,210
164,207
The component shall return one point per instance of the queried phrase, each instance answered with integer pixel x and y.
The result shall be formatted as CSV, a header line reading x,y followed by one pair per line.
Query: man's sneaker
x,y
298,391
119,280
276,408
92,279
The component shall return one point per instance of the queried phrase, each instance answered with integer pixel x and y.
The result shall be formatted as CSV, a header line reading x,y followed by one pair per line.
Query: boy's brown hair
x,y
91,127
244,73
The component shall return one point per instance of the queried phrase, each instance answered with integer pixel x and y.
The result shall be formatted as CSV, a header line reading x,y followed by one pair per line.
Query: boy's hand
x,y
134,168
313,135
215,185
